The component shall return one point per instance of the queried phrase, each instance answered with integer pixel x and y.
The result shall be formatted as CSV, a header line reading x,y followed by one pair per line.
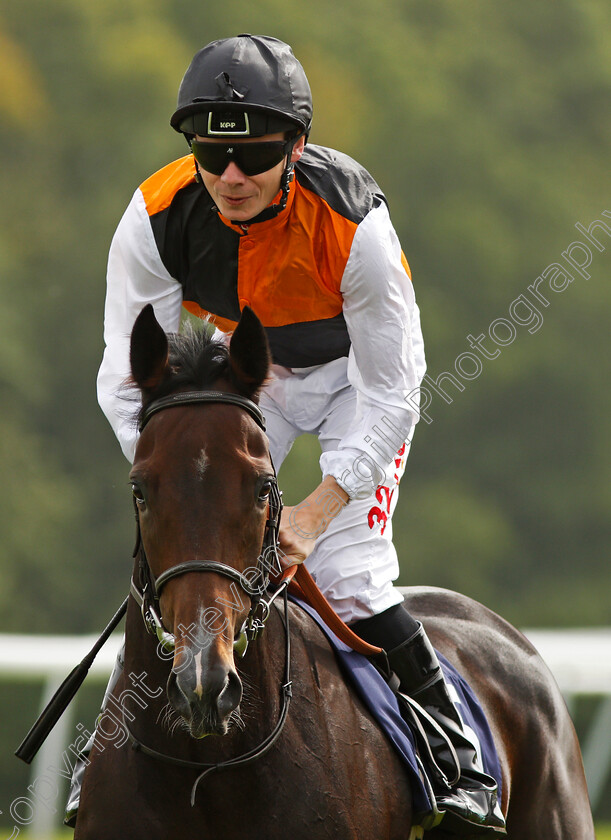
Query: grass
x,y
603,832
62,834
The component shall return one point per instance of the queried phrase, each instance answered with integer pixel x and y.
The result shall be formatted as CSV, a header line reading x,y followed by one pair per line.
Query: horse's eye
x,y
138,496
265,490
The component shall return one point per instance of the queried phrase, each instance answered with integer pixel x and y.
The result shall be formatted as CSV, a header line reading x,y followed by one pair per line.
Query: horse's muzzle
x,y
205,694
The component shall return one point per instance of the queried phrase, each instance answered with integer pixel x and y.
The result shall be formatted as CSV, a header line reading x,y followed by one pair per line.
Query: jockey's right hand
x,y
302,524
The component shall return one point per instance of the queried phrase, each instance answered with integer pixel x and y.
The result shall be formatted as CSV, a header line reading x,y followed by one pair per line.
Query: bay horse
x,y
188,700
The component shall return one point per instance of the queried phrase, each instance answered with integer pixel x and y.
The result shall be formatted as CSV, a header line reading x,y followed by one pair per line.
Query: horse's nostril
x,y
229,698
223,690
176,695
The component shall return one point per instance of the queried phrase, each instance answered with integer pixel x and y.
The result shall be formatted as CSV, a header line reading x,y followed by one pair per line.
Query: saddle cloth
x,y
381,701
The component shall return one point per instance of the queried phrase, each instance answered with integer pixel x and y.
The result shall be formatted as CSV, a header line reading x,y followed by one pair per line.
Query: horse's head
x,y
201,480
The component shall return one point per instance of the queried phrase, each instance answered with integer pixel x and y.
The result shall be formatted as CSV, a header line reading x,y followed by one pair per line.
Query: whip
x,y
64,694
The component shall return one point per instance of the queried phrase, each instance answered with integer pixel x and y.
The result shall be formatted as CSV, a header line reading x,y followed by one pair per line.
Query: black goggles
x,y
251,158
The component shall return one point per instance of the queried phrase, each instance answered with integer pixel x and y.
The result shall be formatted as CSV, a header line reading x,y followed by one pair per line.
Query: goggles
x,y
251,158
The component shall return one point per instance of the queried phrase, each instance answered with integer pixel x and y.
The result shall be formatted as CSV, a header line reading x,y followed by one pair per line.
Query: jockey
x,y
253,216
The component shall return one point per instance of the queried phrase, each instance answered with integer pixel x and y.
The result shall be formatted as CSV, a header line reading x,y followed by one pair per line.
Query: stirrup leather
x,y
445,773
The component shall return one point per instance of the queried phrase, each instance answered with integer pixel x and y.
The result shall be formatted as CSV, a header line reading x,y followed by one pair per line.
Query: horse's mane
x,y
196,361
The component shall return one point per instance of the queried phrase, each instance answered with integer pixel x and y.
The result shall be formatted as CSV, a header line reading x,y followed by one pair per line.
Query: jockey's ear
x,y
148,355
249,354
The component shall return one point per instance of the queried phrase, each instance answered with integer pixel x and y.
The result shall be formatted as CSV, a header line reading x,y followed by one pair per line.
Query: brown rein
x,y
303,585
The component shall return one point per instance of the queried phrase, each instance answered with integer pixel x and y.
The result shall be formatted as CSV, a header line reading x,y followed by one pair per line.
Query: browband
x,y
193,397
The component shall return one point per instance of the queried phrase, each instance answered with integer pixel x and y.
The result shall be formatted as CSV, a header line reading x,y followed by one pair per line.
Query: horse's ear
x,y
148,354
249,354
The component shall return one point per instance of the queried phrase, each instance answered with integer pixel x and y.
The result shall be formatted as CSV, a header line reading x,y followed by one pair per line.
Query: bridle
x,y
254,585
147,593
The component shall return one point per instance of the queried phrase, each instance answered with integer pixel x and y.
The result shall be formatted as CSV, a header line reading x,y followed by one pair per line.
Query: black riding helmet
x,y
246,86
252,73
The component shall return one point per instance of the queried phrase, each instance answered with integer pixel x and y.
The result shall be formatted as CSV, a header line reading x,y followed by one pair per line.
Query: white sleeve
x,y
136,276
386,361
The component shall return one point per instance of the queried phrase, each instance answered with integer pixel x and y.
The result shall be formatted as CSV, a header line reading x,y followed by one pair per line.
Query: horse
x,y
197,738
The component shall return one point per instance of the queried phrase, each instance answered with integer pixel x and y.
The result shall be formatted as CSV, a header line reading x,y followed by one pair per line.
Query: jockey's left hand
x,y
302,524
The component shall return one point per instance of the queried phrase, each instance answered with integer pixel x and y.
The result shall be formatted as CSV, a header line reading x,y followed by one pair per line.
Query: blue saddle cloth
x,y
383,705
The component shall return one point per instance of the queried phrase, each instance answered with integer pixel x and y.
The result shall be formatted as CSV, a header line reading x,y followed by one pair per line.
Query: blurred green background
x,y
488,126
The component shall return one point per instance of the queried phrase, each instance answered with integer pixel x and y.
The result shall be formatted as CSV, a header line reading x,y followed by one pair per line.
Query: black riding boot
x,y
466,794
80,765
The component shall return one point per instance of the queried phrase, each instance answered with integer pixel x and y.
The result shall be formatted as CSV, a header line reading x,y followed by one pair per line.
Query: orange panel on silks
x,y
288,269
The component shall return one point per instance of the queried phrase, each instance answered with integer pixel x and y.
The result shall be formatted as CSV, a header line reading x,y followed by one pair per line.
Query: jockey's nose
x,y
233,174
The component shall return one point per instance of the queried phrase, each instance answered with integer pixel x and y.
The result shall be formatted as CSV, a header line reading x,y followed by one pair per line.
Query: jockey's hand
x,y
302,524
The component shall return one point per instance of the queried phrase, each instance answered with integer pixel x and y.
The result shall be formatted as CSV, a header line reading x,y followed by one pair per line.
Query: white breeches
x,y
354,561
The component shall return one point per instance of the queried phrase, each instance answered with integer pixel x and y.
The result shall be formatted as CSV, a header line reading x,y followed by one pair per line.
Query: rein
x,y
147,599
148,596
263,747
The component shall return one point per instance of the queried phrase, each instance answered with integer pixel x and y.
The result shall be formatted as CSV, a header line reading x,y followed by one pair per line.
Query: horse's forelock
x,y
196,361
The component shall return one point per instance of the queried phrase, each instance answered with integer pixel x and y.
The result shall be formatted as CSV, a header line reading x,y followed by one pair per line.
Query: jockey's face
x,y
241,197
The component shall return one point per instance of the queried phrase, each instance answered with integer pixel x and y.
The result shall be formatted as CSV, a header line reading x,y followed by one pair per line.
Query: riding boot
x,y
82,760
462,789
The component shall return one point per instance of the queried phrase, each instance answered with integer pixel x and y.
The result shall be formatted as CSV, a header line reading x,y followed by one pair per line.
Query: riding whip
x,y
64,694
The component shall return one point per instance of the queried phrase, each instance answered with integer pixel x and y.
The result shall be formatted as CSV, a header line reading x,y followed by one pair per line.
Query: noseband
x,y
253,585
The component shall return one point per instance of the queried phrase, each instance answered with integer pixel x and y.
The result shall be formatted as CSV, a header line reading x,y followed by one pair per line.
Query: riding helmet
x,y
249,85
